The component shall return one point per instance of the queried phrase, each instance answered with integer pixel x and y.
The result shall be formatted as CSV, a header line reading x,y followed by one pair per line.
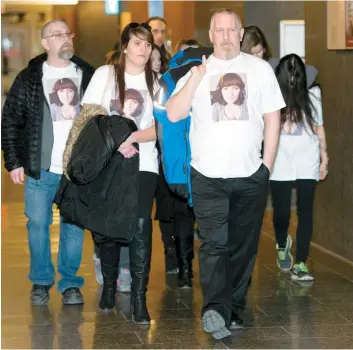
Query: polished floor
x,y
280,313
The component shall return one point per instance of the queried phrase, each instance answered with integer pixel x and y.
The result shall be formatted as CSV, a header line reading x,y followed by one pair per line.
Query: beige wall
x,y
334,199
97,32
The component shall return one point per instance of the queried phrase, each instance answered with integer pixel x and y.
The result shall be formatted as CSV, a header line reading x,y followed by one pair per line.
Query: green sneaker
x,y
301,272
284,257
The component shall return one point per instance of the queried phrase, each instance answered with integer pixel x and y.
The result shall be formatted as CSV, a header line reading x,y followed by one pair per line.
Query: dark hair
x,y
143,32
112,56
189,42
291,76
254,36
62,84
229,79
164,63
130,94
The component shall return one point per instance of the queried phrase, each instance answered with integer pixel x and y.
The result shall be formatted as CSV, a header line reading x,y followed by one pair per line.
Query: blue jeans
x,y
39,196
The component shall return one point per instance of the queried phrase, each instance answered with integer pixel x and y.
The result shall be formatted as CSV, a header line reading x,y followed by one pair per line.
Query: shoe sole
x,y
172,272
142,323
76,302
236,326
302,279
123,290
213,322
290,255
41,303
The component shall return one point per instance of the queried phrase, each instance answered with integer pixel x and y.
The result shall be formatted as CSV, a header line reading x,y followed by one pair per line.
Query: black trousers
x,y
229,213
281,192
181,225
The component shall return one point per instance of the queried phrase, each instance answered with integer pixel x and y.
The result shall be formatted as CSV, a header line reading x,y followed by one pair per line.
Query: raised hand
x,y
200,70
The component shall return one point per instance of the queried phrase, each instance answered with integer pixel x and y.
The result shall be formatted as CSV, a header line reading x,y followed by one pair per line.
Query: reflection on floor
x,y
280,313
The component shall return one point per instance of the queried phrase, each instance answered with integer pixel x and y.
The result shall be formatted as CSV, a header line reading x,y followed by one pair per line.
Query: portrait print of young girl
x,y
229,99
133,106
64,100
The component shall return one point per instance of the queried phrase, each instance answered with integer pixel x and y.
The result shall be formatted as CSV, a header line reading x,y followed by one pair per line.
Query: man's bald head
x,y
227,11
46,29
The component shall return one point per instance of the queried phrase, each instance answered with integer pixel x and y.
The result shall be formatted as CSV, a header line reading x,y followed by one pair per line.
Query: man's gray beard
x,y
66,54
229,55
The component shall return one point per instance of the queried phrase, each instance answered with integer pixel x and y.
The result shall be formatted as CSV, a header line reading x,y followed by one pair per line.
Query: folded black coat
x,y
99,188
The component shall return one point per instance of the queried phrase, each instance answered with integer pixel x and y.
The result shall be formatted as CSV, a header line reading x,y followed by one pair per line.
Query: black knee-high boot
x,y
109,254
140,265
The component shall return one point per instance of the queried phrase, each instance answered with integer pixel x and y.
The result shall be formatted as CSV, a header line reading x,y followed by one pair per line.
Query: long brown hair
x,y
254,36
143,32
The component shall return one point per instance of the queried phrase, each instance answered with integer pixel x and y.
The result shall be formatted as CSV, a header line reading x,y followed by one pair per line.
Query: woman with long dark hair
x,y
133,71
301,159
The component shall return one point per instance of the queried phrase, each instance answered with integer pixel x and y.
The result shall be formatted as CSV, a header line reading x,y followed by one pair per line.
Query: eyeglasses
x,y
134,25
61,36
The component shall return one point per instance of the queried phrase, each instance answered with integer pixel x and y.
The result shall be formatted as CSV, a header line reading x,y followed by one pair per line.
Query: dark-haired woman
x,y
301,159
110,83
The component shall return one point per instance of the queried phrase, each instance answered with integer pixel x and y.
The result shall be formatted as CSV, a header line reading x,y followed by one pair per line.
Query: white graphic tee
x,y
62,93
298,154
138,106
227,123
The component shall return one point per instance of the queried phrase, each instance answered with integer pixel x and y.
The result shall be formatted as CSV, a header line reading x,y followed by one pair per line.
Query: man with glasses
x,y
37,117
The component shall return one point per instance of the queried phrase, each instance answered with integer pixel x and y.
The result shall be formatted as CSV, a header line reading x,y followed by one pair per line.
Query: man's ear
x,y
210,36
45,44
241,34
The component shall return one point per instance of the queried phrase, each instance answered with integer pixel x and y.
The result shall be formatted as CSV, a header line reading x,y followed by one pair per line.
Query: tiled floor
x,y
280,313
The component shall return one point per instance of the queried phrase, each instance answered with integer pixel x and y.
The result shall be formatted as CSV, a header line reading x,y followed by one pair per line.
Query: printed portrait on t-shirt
x,y
64,98
292,129
228,97
134,105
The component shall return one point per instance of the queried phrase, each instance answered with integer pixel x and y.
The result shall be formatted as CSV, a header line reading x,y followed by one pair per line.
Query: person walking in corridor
x,y
37,116
228,177
301,159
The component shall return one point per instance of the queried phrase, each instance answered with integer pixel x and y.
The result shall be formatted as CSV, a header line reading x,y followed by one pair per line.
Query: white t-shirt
x,y
138,106
227,123
62,93
298,154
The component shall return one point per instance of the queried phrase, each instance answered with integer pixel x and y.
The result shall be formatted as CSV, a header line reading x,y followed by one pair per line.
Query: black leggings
x,y
281,200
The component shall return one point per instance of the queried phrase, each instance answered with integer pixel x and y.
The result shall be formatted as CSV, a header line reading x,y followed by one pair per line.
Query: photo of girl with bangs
x,y
133,107
229,99
64,100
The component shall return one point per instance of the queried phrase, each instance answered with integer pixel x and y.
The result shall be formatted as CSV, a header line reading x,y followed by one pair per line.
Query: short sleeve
x,y
315,98
98,86
181,83
271,95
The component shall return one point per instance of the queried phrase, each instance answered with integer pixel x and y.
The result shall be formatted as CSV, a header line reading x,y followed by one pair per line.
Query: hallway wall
x,y
267,15
334,199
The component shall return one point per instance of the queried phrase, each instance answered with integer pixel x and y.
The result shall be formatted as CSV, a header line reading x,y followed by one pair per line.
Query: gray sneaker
x,y
72,296
39,295
124,281
284,257
213,322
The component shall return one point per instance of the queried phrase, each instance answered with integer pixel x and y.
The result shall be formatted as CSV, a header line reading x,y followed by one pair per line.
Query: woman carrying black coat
x,y
126,89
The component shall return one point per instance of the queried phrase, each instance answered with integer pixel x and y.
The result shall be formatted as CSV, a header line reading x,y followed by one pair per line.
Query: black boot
x,y
140,264
109,254
170,255
171,261
185,251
